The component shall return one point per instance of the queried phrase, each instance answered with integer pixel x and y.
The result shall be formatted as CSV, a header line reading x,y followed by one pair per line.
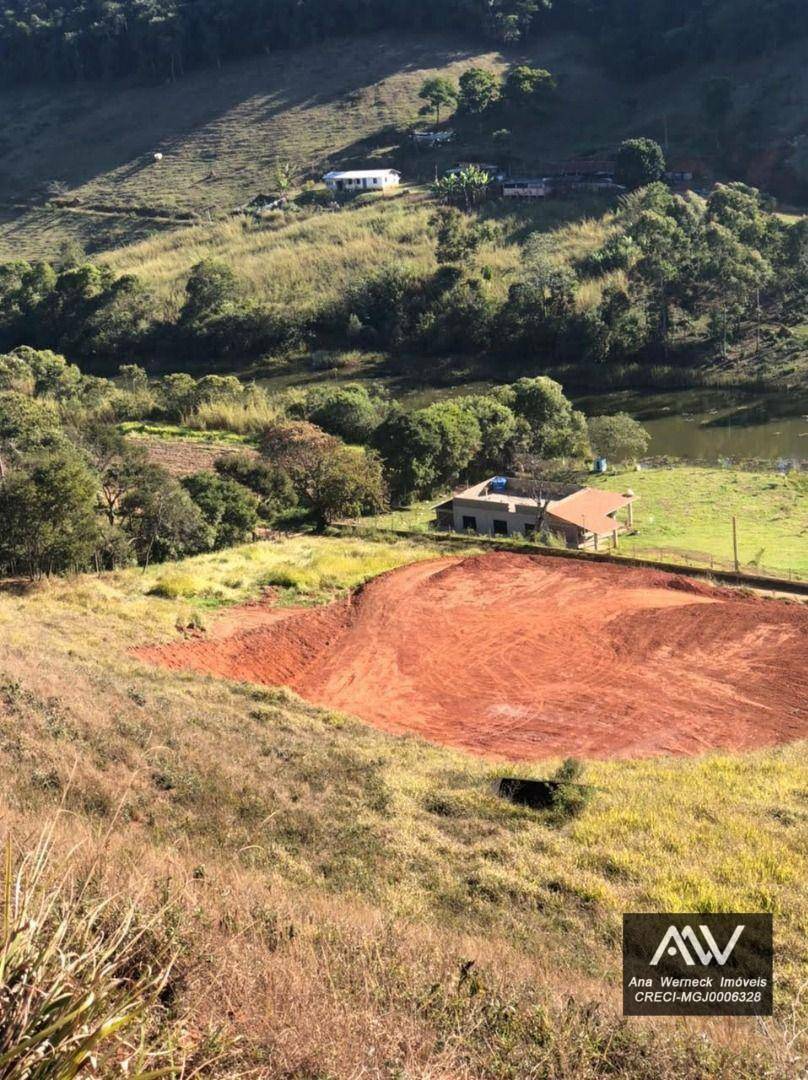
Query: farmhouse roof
x,y
359,174
525,180
589,509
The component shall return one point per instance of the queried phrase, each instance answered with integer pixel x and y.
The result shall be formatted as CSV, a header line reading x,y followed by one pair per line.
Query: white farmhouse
x,y
362,179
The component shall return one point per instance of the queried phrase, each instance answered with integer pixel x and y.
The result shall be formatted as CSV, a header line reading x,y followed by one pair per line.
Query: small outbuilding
x,y
362,179
525,187
432,138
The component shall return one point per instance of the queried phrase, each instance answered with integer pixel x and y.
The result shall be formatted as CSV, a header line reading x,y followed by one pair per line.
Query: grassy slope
x,y
221,132
345,102
301,261
322,881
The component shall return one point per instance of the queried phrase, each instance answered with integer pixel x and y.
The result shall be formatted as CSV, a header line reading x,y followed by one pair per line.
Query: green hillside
x,y
221,133
78,164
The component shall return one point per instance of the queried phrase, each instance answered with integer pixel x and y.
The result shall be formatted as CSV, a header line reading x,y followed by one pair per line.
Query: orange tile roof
x,y
589,509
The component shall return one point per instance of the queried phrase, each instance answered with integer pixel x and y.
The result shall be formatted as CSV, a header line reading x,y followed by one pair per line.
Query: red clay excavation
x,y
526,657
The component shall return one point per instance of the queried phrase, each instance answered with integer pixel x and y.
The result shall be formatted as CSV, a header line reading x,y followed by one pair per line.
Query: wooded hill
x,y
159,39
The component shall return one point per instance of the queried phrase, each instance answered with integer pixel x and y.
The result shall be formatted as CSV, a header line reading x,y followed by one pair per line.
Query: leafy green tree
x,y
385,304
739,208
16,376
498,431
162,520
464,188
346,411
177,394
133,379
555,429
211,288
796,261
342,482
509,23
283,176
734,273
138,398
229,508
117,462
218,388
617,438
622,328
26,424
293,445
661,244
53,376
460,438
529,87
539,310
47,515
439,93
269,482
122,317
409,445
458,319
639,162
479,89
456,240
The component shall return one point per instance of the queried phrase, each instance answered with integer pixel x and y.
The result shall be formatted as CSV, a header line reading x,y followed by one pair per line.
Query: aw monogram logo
x,y
676,941
697,964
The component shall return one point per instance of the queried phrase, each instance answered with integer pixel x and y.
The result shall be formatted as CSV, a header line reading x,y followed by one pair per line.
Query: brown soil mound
x,y
526,657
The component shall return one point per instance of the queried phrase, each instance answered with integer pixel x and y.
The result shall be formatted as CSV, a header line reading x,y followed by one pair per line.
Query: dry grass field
x,y
342,903
306,260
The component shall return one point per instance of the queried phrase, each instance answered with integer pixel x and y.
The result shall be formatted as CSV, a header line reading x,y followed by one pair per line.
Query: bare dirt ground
x,y
184,457
526,657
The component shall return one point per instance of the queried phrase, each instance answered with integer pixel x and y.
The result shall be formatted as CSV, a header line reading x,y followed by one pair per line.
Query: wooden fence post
x,y
735,542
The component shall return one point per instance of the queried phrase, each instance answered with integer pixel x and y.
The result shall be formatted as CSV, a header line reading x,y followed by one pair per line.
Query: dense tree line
x,y
76,493
87,313
678,274
78,40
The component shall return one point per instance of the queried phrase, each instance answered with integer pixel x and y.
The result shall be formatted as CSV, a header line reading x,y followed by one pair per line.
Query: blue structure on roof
x,y
499,484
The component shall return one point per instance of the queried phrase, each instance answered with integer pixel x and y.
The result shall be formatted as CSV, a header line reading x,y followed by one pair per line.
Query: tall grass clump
x,y
571,797
244,417
72,977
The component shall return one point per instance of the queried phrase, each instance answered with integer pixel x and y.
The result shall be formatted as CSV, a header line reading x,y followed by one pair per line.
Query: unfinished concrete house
x,y
583,517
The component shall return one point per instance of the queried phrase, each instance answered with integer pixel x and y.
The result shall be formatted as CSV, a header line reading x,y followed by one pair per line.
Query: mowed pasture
x,y
685,513
688,511
315,876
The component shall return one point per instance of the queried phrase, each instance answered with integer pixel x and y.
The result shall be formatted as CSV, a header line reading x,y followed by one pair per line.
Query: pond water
x,y
700,424
713,424
703,425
